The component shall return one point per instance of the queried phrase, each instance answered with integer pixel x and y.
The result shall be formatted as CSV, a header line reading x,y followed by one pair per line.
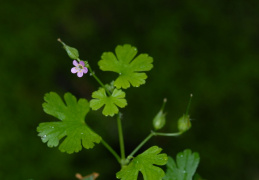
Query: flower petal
x,y
85,70
82,63
80,74
75,63
74,70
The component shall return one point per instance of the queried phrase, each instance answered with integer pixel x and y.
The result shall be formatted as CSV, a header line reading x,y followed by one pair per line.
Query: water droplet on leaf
x,y
43,137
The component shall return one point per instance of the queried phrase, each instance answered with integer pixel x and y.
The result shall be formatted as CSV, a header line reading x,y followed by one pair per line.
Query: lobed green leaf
x,y
110,103
72,125
184,167
130,70
144,163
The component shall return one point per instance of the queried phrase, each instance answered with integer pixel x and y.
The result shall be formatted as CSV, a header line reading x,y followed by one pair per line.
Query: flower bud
x,y
72,52
159,120
184,123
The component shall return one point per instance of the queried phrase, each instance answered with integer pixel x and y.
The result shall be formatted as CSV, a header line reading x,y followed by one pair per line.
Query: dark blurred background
x,y
208,48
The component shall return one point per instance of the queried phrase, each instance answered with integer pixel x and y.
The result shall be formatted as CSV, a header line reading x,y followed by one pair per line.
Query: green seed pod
x,y
72,52
159,120
184,123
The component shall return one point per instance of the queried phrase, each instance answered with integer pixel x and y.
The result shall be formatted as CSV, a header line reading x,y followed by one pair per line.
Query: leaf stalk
x,y
109,148
121,139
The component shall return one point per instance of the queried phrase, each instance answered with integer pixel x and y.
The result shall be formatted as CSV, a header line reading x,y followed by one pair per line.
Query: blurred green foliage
x,y
208,48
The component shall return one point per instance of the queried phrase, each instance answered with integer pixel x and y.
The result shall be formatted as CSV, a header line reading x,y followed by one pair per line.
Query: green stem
x,y
109,148
121,140
166,134
96,78
139,146
147,138
90,69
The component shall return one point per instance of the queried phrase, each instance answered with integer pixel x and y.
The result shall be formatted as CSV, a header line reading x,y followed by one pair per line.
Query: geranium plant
x,y
71,125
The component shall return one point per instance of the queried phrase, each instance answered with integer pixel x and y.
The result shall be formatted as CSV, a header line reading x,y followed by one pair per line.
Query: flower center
x,y
80,66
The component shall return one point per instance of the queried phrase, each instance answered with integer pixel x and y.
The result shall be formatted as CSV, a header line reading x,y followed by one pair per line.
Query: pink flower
x,y
79,68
